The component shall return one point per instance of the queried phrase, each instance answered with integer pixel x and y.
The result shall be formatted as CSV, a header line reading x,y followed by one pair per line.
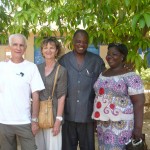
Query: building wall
x,y
103,53
2,52
29,54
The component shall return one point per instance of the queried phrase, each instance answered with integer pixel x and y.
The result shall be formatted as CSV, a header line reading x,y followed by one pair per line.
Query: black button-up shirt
x,y
80,95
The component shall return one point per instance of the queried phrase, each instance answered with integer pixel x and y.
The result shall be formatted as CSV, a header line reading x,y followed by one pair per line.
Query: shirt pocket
x,y
90,77
89,73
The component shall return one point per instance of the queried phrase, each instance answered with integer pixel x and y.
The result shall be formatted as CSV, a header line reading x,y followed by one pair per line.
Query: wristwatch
x,y
35,120
60,118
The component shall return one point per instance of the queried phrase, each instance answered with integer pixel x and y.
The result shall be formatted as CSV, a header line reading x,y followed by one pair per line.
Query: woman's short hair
x,y
52,40
121,48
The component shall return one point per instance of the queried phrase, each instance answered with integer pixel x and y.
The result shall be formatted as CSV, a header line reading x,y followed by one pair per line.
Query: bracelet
x,y
60,118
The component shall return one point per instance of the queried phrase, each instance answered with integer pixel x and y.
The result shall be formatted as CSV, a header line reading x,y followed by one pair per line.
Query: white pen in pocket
x,y
87,72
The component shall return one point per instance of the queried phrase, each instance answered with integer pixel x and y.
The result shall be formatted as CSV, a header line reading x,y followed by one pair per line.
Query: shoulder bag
x,y
46,118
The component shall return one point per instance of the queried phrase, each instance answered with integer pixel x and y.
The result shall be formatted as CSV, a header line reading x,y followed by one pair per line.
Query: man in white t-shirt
x,y
19,81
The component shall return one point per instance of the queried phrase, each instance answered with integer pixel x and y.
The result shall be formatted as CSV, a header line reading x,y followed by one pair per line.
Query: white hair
x,y
17,35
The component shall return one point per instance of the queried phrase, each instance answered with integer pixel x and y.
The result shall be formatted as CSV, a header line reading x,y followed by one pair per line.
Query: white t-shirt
x,y
17,82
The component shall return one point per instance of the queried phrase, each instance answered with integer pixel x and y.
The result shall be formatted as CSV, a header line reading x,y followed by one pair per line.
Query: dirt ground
x,y
146,122
146,130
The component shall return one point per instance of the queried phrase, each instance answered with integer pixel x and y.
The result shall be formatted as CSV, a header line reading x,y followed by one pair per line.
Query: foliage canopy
x,y
125,21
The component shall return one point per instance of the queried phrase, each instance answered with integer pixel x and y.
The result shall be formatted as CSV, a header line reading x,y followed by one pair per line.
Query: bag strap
x,y
55,80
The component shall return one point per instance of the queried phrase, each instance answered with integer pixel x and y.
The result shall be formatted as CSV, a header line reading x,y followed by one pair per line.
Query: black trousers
x,y
78,133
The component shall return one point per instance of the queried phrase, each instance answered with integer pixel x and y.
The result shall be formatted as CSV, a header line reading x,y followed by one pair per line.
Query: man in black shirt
x,y
83,69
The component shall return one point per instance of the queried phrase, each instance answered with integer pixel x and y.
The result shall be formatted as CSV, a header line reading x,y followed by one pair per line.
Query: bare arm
x,y
61,103
60,110
138,107
35,111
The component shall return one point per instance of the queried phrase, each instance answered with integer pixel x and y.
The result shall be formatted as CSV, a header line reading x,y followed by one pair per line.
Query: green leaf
x,y
134,21
22,3
127,2
91,39
147,19
28,1
142,23
25,15
138,62
33,16
35,20
133,59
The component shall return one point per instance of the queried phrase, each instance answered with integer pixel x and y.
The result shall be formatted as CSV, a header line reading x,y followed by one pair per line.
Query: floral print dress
x,y
113,109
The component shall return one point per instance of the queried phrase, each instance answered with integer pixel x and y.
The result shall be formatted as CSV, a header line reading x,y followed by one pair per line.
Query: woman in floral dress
x,y
119,102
